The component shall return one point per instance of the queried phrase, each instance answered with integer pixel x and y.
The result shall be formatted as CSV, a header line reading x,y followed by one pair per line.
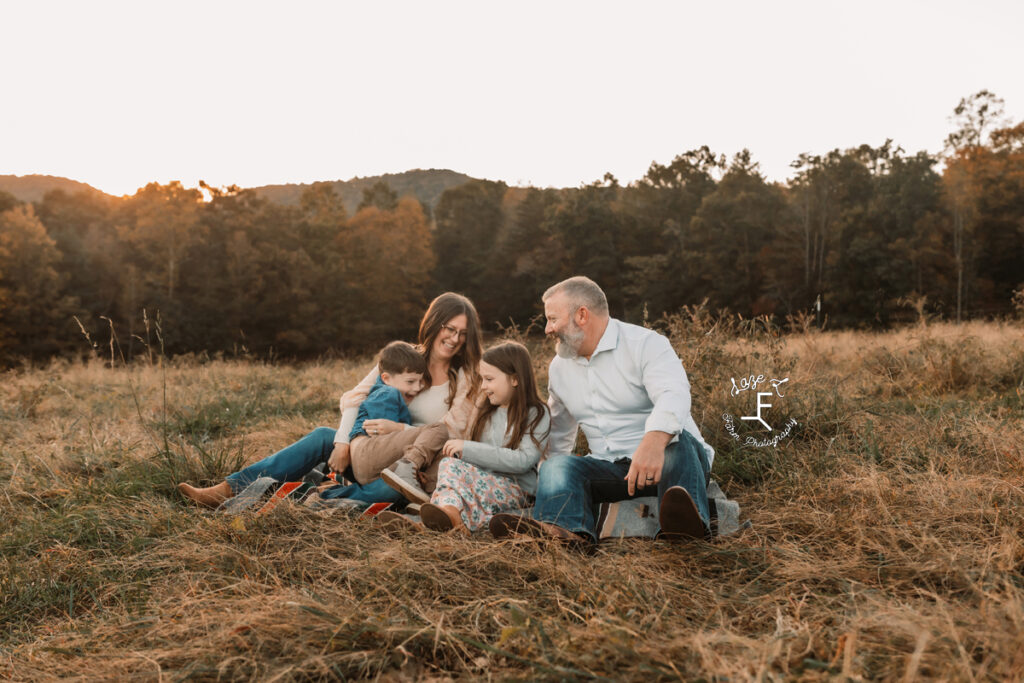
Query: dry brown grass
x,y
886,539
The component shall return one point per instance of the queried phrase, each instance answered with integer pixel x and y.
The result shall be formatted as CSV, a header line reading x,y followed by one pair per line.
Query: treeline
x,y
235,273
865,231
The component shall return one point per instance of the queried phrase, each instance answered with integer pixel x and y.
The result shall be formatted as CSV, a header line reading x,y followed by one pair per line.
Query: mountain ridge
x,y
32,187
426,185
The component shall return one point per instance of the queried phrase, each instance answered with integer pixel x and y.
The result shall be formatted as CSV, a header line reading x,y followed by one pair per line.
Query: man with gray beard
x,y
626,388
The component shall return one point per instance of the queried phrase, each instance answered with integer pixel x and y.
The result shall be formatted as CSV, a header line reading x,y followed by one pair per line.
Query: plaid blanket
x,y
634,518
638,517
264,494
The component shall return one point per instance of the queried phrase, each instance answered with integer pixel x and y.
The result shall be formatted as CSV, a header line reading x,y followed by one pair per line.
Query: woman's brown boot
x,y
210,497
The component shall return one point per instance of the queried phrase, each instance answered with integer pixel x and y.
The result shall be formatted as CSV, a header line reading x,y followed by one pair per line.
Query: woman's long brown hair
x,y
442,309
513,359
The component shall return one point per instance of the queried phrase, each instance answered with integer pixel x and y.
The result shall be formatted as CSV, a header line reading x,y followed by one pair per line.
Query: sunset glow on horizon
x,y
117,95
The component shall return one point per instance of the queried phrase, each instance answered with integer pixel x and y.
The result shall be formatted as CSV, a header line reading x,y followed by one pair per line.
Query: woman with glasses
x,y
449,337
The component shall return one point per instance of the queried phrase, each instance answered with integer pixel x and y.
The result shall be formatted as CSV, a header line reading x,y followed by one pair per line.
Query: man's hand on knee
x,y
647,462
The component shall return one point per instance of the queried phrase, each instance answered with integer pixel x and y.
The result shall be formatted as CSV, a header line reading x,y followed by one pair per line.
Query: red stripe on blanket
x,y
286,489
376,509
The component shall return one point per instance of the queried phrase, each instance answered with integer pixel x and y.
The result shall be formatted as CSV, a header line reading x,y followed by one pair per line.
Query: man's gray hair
x,y
580,291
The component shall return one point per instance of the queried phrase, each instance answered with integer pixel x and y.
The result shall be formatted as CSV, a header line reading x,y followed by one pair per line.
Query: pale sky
x,y
554,93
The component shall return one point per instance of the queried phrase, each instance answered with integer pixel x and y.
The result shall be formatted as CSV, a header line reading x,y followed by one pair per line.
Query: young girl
x,y
495,470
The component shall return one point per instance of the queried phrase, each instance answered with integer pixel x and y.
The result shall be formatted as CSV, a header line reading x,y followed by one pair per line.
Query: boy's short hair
x,y
398,357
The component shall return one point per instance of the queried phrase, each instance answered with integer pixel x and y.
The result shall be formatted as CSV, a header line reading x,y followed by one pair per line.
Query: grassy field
x,y
886,539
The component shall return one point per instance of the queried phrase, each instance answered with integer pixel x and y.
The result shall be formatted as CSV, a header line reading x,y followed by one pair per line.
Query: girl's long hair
x,y
513,359
442,309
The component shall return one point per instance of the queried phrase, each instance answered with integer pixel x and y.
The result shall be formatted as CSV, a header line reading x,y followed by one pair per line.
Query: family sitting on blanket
x,y
623,385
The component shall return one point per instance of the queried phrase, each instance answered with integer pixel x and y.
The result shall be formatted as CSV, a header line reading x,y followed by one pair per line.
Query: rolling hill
x,y
425,185
31,188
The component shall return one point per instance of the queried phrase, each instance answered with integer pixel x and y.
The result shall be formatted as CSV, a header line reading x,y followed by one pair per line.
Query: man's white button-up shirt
x,y
633,383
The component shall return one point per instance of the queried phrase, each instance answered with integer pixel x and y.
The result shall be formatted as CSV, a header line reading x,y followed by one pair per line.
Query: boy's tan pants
x,y
420,445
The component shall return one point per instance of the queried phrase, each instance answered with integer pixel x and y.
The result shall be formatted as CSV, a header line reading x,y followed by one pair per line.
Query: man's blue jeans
x,y
293,462
569,486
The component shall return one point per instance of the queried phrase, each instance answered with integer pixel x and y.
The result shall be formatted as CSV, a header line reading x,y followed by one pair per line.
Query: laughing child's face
x,y
409,383
498,387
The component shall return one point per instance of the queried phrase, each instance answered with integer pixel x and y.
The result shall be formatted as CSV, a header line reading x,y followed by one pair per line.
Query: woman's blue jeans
x,y
569,486
293,462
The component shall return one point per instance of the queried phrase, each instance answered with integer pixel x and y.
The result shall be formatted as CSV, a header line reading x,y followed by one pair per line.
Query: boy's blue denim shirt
x,y
382,403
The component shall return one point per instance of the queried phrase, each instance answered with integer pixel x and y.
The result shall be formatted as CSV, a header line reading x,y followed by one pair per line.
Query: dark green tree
x,y
662,265
590,229
35,315
92,255
529,256
379,195
469,220
732,227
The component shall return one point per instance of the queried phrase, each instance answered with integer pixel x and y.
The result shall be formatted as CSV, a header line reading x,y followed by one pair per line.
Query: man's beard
x,y
569,341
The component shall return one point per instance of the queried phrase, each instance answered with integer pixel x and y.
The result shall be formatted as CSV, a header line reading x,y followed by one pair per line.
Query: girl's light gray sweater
x,y
518,464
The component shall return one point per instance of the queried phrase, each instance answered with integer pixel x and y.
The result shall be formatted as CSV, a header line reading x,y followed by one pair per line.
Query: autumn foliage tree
x,y
389,258
983,188
863,230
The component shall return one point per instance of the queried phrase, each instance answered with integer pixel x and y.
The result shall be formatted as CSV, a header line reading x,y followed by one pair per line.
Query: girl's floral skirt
x,y
477,494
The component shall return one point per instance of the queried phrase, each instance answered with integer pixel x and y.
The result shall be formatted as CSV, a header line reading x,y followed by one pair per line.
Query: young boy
x,y
402,368
401,377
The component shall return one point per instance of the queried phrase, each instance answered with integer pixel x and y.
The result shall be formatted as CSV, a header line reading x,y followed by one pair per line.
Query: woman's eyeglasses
x,y
452,332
